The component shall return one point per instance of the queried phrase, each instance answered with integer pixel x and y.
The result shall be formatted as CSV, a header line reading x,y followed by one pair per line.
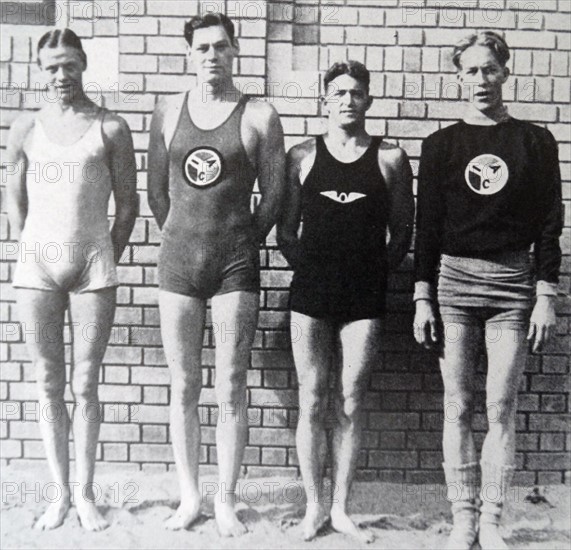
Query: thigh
x,y
182,331
506,348
42,314
463,340
314,348
234,320
360,345
91,315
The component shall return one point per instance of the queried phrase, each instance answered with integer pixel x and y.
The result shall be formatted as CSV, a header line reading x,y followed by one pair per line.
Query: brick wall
x,y
136,53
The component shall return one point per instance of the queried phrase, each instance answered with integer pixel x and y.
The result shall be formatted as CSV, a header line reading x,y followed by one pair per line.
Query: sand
x,y
136,504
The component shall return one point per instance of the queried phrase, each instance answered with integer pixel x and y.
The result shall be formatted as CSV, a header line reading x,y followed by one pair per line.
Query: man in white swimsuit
x,y
68,158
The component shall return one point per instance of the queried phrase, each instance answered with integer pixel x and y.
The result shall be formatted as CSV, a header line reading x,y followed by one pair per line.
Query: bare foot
x,y
90,517
315,518
228,524
186,514
53,517
342,523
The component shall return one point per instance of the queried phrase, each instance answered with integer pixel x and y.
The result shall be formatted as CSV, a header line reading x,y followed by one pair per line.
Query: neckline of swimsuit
x,y
227,119
374,140
81,137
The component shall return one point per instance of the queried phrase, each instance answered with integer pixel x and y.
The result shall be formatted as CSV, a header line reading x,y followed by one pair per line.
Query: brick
x,y
394,421
370,35
549,422
392,440
410,37
555,364
115,452
404,128
491,19
553,403
119,432
128,315
150,375
152,414
552,442
154,434
393,459
444,37
557,22
548,461
272,456
116,375
531,39
369,16
138,63
534,112
141,26
559,63
271,436
123,354
523,62
10,449
151,453
172,7
155,394
549,383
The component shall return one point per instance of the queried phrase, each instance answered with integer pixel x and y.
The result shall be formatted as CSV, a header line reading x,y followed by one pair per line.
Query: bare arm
x,y
15,174
124,181
158,175
271,165
401,214
288,223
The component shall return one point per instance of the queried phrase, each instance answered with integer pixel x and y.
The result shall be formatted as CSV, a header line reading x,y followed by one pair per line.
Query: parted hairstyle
x,y
490,39
356,70
61,37
211,19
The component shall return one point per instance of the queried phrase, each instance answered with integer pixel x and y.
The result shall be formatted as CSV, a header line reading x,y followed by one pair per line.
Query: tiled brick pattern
x,y
284,46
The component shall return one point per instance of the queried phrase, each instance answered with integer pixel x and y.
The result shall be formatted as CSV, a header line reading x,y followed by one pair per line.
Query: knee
x,y
349,409
231,388
186,390
312,405
458,408
84,383
501,412
50,380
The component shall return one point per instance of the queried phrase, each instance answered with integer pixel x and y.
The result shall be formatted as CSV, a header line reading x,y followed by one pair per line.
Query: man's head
x,y
212,46
481,62
347,96
62,60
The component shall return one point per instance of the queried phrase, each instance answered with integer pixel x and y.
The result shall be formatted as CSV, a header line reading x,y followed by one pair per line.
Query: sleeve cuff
x,y
543,288
423,291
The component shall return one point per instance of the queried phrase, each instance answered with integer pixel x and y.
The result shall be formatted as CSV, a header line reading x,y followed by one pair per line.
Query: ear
x,y
506,74
236,45
369,102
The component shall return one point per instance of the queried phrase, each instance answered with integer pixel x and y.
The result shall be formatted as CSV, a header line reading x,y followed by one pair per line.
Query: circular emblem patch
x,y
202,167
486,174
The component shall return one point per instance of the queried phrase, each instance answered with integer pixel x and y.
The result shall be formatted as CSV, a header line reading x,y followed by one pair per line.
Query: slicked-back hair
x,y
61,37
354,69
209,20
490,39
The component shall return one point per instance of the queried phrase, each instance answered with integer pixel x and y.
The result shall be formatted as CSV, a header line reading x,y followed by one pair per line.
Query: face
x,y
212,53
62,68
484,76
347,101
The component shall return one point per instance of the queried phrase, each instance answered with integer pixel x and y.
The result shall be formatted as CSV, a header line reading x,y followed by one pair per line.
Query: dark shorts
x,y
202,269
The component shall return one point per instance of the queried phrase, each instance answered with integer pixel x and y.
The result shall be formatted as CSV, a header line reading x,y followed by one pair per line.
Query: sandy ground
x,y
136,505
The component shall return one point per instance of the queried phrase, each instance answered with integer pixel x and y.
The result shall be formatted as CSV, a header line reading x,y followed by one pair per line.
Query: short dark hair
x,y
61,37
352,68
211,19
490,39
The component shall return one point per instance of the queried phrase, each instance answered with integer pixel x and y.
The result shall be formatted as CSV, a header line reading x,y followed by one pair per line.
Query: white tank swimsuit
x,y
66,244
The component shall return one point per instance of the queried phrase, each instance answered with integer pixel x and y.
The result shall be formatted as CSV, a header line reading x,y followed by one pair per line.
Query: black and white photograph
x,y
285,274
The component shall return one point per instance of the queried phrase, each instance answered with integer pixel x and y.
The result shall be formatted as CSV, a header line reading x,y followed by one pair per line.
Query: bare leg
x,y
360,344
92,315
235,318
42,315
462,348
314,354
506,360
182,329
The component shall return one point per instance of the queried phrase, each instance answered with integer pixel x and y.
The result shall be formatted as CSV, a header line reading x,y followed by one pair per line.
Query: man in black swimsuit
x,y
349,187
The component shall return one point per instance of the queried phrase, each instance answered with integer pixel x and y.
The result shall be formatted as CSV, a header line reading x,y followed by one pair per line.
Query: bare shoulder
x,y
21,127
114,126
262,115
298,153
391,155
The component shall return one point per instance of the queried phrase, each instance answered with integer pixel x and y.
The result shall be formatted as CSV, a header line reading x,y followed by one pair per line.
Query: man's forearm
x,y
121,231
